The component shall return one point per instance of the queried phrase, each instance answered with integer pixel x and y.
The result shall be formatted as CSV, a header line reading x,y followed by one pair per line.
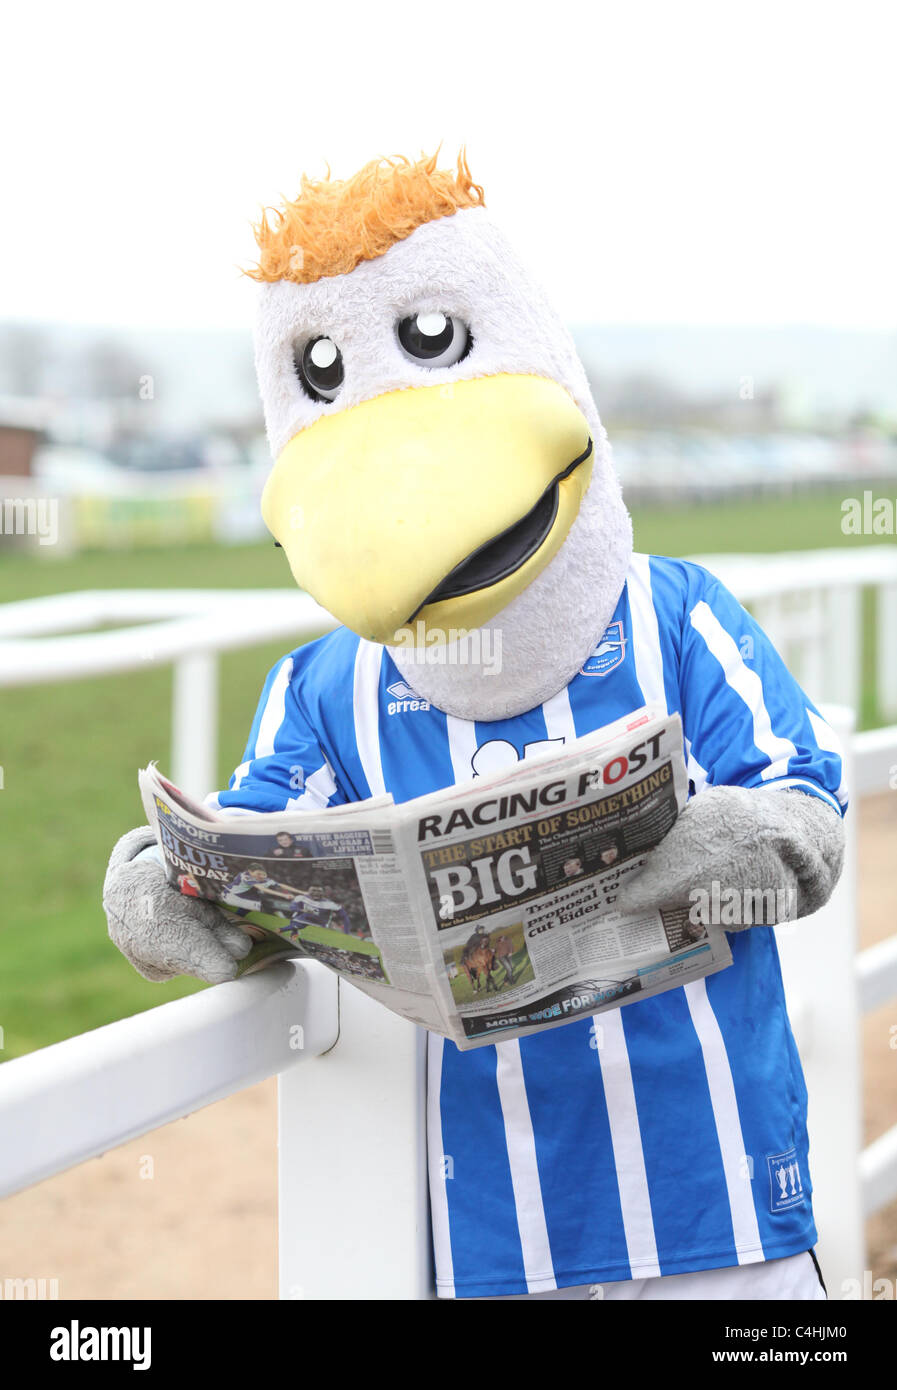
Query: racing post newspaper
x,y
484,911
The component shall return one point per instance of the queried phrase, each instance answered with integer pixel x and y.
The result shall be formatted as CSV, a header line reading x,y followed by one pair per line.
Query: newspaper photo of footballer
x,y
320,893
324,919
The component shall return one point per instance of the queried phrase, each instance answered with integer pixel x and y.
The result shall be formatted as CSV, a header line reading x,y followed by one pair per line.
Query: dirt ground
x,y
190,1211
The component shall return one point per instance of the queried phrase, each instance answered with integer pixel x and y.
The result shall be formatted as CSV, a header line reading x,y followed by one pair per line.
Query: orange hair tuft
x,y
335,223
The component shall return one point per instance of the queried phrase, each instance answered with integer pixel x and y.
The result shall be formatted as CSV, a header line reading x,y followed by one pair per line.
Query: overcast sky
x,y
670,162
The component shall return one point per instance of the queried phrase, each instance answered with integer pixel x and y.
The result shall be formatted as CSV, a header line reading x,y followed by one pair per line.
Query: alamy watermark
x,y
29,1288
741,907
30,516
80,1342
424,645
869,515
869,1289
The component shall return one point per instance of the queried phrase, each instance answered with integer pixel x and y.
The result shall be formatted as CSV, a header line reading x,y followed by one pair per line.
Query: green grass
x,y
809,521
70,754
199,567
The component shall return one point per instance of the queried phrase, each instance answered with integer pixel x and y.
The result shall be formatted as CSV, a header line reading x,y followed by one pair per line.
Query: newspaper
x,y
484,911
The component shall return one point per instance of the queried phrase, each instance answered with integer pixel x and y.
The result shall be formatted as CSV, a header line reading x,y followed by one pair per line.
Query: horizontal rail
x,y
73,1101
875,761
757,576
83,608
207,625
876,969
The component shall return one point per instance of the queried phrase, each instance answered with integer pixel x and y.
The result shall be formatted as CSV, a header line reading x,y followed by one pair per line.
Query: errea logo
x,y
405,699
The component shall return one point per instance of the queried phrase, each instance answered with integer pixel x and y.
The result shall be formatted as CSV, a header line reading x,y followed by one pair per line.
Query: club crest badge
x,y
609,651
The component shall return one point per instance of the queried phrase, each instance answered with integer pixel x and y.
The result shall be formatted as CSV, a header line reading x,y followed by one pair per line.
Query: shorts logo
x,y
608,652
786,1188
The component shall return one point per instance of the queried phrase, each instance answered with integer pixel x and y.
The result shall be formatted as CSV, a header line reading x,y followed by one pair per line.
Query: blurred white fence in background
x,y
359,1098
810,604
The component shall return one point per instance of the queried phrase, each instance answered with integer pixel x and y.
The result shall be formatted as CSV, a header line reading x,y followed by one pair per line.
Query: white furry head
x,y
460,265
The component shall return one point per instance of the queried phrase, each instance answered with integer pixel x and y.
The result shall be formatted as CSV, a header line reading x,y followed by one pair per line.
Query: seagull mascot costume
x,y
442,484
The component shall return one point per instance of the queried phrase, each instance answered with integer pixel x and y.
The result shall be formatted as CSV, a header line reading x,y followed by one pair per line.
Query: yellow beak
x,y
434,503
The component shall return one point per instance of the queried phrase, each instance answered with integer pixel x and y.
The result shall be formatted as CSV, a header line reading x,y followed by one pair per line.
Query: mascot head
x,y
442,482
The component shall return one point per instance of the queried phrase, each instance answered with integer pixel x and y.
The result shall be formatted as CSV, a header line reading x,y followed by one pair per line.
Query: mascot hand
x,y
746,839
161,932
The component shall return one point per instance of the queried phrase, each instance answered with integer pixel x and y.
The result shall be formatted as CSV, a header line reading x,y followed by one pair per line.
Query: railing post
x,y
811,673
818,957
844,646
768,612
353,1205
886,633
194,723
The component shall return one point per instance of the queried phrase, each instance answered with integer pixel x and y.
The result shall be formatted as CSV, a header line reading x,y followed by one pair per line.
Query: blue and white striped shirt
x,y
673,1138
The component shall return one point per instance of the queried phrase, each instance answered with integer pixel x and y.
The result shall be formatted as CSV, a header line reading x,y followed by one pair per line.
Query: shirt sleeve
x,y
747,722
284,767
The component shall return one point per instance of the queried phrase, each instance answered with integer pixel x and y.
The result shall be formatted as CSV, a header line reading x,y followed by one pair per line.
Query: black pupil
x,y
322,378
421,344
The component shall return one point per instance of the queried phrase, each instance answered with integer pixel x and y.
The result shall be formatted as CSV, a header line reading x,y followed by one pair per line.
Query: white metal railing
x,y
362,1104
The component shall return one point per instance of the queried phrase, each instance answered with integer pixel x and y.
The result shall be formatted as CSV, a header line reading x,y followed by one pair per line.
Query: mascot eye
x,y
434,339
321,369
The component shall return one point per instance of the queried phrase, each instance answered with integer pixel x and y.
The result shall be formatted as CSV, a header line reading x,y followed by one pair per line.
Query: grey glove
x,y
778,849
161,932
